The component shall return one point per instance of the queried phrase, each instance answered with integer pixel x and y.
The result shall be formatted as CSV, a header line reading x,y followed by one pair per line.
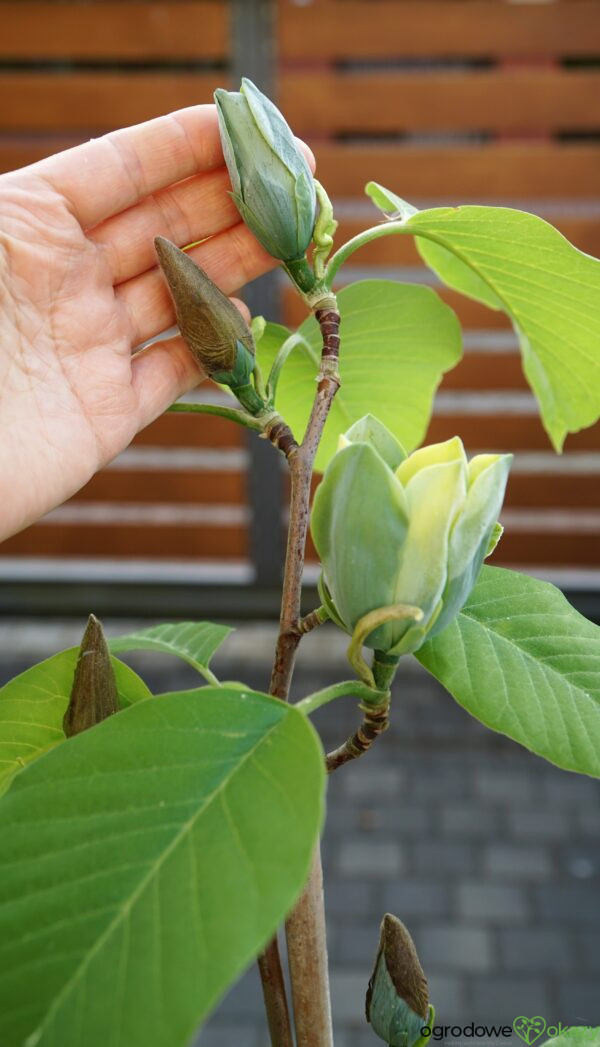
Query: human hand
x,y
80,291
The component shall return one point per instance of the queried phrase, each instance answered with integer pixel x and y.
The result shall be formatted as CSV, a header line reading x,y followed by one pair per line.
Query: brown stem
x,y
312,620
273,987
376,718
375,722
305,927
307,958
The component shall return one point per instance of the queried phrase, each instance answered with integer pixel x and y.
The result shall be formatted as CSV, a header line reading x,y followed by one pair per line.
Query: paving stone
x,y
504,783
244,998
579,1002
443,857
581,861
363,780
454,947
569,903
348,990
539,825
408,899
590,823
370,858
499,999
357,944
492,902
536,949
588,945
403,822
472,822
446,991
561,787
347,898
220,1035
517,861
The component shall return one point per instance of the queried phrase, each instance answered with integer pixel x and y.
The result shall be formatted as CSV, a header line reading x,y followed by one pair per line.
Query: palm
x,y
80,292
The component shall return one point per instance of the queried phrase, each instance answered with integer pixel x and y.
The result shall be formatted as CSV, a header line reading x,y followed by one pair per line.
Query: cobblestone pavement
x,y
490,855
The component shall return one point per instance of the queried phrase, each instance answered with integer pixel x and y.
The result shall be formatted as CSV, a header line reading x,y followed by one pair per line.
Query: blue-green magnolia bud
x,y
273,187
397,1003
391,529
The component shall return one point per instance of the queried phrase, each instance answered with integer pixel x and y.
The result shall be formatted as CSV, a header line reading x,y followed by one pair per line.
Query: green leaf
x,y
194,642
389,203
515,261
146,862
33,704
398,339
523,661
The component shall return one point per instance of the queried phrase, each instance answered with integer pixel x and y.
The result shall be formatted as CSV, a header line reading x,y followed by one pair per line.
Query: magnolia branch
x,y
305,927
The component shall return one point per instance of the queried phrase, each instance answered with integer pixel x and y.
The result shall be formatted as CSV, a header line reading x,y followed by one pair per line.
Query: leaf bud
x,y
397,1004
212,327
94,692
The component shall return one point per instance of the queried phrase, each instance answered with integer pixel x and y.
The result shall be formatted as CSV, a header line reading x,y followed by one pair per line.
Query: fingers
x,y
165,371
231,259
106,175
192,210
159,375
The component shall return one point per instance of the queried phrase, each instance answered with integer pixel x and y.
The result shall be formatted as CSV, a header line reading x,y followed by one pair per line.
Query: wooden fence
x,y
451,101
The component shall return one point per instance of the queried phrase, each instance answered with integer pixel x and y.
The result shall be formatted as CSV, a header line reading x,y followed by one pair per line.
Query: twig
x,y
376,718
275,997
313,619
375,722
305,927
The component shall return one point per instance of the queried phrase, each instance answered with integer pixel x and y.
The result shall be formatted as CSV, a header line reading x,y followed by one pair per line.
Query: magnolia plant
x,y
152,845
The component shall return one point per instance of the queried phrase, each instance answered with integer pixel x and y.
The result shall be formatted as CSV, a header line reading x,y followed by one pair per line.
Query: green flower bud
x,y
391,529
213,328
273,186
397,1003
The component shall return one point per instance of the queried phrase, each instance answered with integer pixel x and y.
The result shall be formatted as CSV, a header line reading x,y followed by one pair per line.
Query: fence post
x,y
253,55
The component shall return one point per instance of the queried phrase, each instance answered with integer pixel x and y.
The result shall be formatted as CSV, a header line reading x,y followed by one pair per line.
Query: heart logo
x,y
529,1029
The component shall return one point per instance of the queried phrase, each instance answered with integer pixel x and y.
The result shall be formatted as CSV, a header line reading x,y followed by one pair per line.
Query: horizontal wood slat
x,y
341,29
462,173
165,486
173,542
98,100
556,491
509,100
125,31
506,432
191,430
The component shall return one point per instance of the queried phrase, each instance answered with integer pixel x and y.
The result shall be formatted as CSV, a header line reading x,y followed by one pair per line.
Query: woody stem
x,y
305,927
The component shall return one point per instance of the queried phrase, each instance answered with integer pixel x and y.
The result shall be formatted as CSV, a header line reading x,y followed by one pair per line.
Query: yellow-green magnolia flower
x,y
395,529
273,186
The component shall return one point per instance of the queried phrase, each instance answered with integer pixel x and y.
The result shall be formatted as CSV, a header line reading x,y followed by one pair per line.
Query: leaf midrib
x,y
539,662
36,1034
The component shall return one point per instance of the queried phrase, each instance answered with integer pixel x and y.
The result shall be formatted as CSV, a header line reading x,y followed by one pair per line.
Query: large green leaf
x,y
146,862
397,341
32,707
523,661
515,261
195,642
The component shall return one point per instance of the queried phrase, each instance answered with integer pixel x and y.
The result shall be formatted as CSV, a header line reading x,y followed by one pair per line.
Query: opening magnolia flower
x,y
392,528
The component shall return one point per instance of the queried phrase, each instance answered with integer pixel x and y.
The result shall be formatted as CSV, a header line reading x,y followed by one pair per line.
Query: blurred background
x,y
491,856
